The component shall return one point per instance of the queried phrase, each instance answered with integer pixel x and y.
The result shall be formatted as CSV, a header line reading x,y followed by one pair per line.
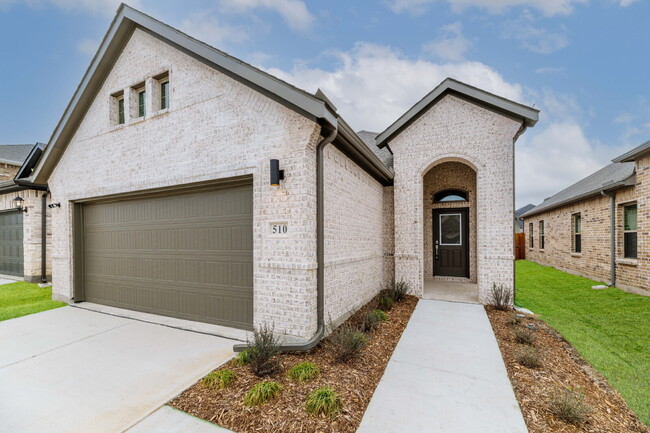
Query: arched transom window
x,y
449,195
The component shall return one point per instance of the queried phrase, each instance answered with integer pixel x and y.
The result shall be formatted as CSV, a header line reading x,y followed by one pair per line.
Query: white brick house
x,y
162,165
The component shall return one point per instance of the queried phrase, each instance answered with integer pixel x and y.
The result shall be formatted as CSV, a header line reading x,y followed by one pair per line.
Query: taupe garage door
x,y
11,243
187,255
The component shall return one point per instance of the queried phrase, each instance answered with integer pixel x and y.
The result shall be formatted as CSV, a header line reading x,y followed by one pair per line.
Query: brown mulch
x,y
562,367
355,382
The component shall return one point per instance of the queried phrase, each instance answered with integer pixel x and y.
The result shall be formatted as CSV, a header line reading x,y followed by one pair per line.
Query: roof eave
x,y
634,154
528,115
612,186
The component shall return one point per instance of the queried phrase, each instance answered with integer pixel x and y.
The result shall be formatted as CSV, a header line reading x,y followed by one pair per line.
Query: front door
x,y
451,242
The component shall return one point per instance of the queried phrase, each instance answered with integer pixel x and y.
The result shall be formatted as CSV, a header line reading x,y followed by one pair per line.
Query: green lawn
x,y
610,328
20,299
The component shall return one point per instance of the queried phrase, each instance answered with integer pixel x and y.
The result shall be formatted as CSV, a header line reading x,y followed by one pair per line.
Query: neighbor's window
x,y
120,111
164,94
576,241
142,98
629,231
541,235
531,239
450,195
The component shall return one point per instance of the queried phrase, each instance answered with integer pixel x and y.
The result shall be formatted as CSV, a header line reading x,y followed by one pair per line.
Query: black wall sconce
x,y
19,204
276,174
53,205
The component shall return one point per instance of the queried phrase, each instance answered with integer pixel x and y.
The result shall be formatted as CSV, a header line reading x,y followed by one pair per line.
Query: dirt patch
x,y
561,367
355,381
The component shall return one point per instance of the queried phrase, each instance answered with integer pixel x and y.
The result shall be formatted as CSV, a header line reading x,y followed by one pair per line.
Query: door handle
x,y
436,250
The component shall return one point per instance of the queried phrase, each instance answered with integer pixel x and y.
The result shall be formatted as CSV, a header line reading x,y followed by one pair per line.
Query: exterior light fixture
x,y
19,203
53,205
276,174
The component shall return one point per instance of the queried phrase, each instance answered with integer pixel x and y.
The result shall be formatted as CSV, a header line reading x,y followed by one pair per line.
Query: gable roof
x,y
522,210
635,153
125,22
384,154
14,154
614,175
529,115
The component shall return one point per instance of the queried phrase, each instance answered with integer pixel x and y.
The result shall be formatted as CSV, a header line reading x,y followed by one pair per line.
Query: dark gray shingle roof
x,y
522,210
368,137
14,153
614,174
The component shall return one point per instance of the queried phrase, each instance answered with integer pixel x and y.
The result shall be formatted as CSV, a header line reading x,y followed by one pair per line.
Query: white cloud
x,y
550,70
88,47
537,39
452,45
372,85
206,27
626,3
105,7
294,12
547,7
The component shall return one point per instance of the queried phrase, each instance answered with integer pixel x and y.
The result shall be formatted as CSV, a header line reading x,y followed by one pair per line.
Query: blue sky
x,y
584,63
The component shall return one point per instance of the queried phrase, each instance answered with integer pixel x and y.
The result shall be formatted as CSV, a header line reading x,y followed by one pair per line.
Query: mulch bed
x,y
562,367
355,382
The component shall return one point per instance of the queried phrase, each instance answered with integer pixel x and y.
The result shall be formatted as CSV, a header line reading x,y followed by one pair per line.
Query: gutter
x,y
44,237
612,235
320,257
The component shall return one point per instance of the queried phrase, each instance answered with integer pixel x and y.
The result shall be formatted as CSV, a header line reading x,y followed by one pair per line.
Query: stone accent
x,y
449,175
595,259
456,130
32,233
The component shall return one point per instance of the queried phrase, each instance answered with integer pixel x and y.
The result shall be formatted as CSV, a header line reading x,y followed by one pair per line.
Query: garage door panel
x,y
186,255
11,243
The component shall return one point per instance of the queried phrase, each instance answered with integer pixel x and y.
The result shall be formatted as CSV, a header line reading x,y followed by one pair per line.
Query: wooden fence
x,y
520,246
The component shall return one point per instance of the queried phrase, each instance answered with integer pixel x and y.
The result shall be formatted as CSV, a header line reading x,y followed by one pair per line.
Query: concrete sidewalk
x,y
446,375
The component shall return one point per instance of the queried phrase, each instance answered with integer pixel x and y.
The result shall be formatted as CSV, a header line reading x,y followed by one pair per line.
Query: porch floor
x,y
454,291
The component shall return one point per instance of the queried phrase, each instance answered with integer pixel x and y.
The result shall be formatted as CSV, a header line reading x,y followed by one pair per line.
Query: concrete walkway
x,y
446,375
71,370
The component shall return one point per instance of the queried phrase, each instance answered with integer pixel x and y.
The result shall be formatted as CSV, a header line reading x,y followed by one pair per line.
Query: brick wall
x,y
355,235
32,232
460,131
594,260
8,171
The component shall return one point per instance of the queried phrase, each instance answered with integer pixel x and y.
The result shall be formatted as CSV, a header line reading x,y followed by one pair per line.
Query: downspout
x,y
612,235
320,256
44,237
520,131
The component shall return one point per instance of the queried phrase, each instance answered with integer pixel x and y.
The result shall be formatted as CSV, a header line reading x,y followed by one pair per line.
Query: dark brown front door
x,y
451,242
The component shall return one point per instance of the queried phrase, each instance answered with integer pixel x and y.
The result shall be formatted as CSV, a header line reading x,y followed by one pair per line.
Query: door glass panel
x,y
450,229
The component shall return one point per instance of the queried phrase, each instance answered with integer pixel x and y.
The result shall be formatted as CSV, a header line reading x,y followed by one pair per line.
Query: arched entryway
x,y
450,231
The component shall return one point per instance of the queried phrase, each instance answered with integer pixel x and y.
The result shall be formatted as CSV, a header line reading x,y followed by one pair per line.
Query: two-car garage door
x,y
187,255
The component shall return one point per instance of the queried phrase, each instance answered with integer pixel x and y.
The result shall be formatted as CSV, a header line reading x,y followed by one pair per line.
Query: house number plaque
x,y
279,229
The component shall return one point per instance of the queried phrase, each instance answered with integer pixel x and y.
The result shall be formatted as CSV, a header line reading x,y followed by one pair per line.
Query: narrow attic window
x,y
161,92
117,113
142,100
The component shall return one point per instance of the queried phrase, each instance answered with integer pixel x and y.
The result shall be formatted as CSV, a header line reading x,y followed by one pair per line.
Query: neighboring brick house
x,y
22,246
598,227
196,186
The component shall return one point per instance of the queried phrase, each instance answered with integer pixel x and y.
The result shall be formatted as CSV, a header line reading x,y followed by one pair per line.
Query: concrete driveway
x,y
72,370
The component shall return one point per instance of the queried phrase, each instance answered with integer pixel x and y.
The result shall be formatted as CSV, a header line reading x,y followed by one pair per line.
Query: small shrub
x,y
323,401
569,406
371,319
262,393
524,336
242,358
529,357
304,372
396,291
500,297
386,303
514,319
219,379
263,350
348,342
